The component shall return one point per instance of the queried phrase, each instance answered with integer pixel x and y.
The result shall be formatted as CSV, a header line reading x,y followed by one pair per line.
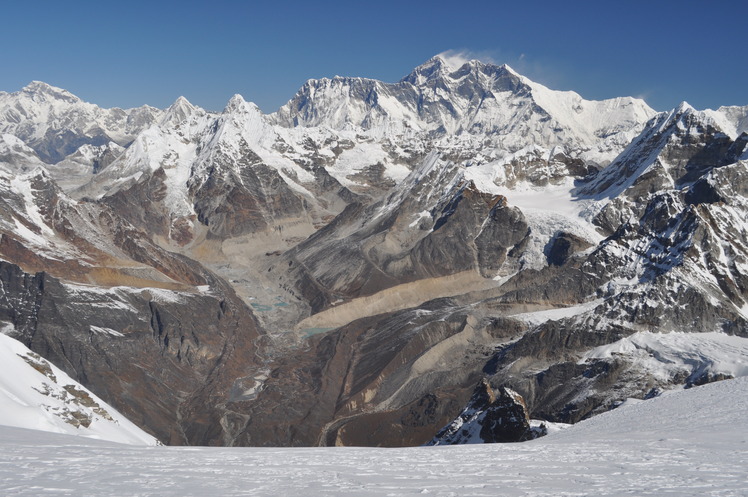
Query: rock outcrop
x,y
489,417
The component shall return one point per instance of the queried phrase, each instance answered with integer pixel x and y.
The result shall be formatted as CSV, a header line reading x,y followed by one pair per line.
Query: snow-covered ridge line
x,y
476,98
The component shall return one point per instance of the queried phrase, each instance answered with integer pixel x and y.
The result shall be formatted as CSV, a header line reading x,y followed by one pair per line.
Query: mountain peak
x,y
44,90
180,110
237,104
182,101
434,67
683,112
37,86
455,61
684,107
456,67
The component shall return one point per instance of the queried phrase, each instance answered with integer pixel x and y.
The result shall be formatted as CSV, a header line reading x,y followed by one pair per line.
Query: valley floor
x,y
691,442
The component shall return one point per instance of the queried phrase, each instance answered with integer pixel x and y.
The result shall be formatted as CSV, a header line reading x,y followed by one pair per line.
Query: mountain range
x,y
345,270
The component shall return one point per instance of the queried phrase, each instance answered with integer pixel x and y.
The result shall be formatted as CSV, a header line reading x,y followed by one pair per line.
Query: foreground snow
x,y
36,394
690,442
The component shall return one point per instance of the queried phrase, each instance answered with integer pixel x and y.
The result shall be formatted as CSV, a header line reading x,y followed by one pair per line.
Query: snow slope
x,y
686,443
37,395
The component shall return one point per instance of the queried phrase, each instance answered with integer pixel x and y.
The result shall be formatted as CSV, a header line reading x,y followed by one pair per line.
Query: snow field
x,y
685,443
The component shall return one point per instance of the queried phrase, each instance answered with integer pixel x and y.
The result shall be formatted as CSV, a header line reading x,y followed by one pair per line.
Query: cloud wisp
x,y
457,58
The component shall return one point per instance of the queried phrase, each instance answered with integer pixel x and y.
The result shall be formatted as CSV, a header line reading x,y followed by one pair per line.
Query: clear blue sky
x,y
128,53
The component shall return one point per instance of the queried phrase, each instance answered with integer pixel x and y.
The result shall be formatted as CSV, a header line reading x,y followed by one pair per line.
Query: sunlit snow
x,y
686,443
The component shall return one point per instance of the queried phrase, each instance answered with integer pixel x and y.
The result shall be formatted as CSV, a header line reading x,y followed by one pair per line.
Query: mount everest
x,y
345,270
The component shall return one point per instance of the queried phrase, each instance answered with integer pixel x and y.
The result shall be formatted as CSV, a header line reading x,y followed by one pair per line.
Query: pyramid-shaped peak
x,y
181,105
238,104
684,107
179,111
182,102
682,113
435,66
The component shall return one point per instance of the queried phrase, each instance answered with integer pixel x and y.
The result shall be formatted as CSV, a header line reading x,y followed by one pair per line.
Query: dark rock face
x,y
121,315
387,380
562,246
154,355
246,198
142,204
506,419
489,417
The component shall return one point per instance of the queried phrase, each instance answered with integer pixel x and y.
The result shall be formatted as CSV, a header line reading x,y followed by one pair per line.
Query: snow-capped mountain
x,y
472,114
55,123
343,271
474,100
541,277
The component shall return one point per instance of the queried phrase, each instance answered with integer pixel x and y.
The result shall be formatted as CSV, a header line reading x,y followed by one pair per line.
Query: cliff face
x,y
168,360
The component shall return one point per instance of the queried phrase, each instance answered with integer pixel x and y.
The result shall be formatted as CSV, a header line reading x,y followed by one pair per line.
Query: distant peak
x,y
436,61
453,61
181,105
182,101
38,86
435,67
683,110
43,89
684,107
180,110
235,103
238,104
448,65
684,117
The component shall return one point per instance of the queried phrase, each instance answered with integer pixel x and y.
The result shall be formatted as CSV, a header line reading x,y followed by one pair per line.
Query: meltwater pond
x,y
278,303
308,332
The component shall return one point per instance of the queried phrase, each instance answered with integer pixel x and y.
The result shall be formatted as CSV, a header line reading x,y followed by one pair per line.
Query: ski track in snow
x,y
684,443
